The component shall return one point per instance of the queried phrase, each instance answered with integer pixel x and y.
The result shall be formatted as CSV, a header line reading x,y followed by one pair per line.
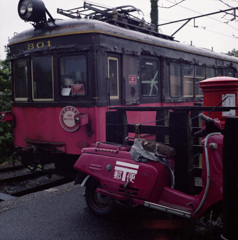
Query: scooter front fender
x,y
81,178
115,168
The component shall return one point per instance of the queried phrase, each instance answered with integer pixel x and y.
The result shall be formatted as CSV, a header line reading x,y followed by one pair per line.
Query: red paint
x,y
59,125
43,125
215,89
149,182
145,177
132,80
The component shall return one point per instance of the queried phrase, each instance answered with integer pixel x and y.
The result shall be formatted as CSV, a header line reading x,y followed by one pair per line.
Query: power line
x,y
193,10
207,29
222,34
201,13
212,31
199,16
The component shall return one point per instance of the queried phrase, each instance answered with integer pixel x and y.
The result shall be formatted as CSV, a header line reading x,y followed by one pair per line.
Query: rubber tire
x,y
98,204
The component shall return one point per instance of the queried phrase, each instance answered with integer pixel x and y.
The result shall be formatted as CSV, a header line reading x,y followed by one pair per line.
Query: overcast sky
x,y
215,32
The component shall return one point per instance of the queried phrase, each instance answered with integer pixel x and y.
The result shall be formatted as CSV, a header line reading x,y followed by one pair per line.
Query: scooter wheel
x,y
99,204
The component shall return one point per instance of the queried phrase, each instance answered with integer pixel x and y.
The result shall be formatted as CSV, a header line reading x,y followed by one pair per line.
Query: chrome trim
x,y
208,171
167,209
85,180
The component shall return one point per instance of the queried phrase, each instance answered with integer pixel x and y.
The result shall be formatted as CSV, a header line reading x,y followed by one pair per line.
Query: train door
x,y
114,80
131,74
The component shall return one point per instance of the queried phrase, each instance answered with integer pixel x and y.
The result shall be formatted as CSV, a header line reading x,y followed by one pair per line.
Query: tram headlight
x,y
32,10
22,10
30,7
3,116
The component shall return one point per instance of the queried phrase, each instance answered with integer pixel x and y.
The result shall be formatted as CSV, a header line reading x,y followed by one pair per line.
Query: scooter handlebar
x,y
205,118
207,121
198,133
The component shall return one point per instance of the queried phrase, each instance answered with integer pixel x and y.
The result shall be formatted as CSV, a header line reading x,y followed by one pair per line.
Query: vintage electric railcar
x,y
67,73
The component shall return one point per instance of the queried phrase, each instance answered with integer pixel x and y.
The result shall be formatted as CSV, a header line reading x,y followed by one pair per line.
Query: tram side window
x,y
229,72
20,76
199,76
113,75
149,77
175,80
188,76
210,72
42,77
73,75
218,72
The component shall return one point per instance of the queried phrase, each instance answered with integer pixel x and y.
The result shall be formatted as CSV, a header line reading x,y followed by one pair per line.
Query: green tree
x,y
234,53
154,13
6,138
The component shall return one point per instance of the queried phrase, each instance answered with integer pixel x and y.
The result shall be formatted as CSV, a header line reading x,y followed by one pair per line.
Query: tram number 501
x,y
39,45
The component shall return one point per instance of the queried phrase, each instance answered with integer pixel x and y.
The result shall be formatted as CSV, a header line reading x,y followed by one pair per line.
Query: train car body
x,y
67,73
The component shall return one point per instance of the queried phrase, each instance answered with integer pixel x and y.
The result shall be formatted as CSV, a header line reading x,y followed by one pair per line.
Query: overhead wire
x,y
180,5
206,28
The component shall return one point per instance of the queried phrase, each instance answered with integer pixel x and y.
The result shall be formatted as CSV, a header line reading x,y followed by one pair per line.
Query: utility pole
x,y
154,13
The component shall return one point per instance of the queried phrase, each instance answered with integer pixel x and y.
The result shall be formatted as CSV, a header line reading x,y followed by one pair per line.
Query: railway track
x,y
16,181
11,168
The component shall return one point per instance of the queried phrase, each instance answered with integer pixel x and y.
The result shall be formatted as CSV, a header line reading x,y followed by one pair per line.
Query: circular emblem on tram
x,y
66,118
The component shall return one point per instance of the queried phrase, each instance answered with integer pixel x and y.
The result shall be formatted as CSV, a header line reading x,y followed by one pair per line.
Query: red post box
x,y
217,89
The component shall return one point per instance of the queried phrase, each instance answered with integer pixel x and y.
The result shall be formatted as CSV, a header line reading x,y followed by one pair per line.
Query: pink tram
x,y
67,73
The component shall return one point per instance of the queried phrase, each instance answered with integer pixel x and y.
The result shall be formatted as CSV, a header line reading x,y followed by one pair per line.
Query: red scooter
x,y
131,176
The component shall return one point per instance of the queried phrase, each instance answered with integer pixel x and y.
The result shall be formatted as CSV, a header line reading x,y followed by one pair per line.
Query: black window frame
x,y
53,78
152,98
180,80
197,79
29,96
186,76
77,98
113,100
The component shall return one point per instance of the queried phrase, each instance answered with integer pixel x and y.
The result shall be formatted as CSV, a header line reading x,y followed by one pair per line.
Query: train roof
x,y
83,26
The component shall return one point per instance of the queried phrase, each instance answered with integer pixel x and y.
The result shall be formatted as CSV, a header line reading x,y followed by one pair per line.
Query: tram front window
x,y
73,75
20,76
42,77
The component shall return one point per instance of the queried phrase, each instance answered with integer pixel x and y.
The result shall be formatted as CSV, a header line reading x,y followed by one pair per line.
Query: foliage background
x,y
234,53
6,137
154,13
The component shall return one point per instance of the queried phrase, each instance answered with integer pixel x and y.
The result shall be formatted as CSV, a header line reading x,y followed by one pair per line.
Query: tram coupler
x,y
81,119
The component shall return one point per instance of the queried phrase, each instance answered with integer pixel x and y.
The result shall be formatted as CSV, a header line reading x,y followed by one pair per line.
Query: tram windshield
x,y
73,73
35,78
42,77
20,70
